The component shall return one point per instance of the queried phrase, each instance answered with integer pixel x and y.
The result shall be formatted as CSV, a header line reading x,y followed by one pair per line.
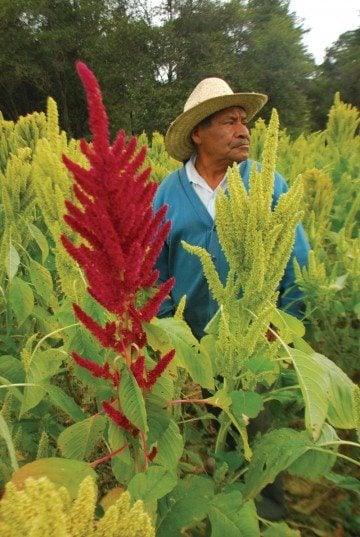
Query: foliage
x,y
42,509
150,56
340,72
157,159
109,392
272,28
330,171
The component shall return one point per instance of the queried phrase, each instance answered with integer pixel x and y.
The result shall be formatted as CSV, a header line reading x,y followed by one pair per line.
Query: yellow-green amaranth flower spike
x,y
257,242
42,510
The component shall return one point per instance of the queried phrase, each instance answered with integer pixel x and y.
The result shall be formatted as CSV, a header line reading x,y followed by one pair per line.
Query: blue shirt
x,y
192,222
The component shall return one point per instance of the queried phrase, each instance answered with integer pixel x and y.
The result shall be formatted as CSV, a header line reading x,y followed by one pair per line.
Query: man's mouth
x,y
243,143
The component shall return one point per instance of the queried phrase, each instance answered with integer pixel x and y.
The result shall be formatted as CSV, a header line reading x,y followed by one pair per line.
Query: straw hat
x,y
210,95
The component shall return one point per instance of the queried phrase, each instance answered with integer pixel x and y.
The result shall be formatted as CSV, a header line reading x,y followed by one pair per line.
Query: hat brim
x,y
178,137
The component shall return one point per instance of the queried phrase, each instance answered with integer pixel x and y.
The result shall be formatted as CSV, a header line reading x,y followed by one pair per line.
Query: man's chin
x,y
241,153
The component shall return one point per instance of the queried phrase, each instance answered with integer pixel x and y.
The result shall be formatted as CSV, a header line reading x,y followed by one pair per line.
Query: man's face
x,y
226,138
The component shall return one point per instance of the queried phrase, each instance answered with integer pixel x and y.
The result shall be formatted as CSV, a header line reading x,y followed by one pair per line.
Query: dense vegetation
x,y
91,387
150,55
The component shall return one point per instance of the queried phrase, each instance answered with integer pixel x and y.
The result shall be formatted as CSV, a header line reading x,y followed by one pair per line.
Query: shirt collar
x,y
195,178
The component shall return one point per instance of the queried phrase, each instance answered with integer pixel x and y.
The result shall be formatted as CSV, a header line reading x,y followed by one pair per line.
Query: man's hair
x,y
206,122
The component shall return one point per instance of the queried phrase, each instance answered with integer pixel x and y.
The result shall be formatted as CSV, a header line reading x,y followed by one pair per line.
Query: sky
x,y
326,20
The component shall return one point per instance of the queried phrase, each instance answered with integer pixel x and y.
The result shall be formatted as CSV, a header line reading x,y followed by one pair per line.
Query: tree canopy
x,y
150,58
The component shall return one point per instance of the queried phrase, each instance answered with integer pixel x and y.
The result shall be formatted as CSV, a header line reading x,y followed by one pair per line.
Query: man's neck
x,y
212,172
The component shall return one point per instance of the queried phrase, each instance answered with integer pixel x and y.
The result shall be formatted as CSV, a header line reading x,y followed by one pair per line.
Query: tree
x,y
196,39
22,80
274,61
49,36
340,72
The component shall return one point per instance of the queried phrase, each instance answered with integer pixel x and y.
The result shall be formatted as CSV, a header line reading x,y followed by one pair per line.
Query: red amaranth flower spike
x,y
151,456
99,371
138,370
98,120
118,417
159,369
121,240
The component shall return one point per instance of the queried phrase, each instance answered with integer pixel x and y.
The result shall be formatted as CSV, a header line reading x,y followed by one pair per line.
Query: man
x,y
208,137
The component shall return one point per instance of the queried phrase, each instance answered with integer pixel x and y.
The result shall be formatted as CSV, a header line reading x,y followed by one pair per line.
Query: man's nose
x,y
241,129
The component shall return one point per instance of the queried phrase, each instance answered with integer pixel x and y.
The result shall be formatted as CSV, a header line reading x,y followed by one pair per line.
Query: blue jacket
x,y
191,222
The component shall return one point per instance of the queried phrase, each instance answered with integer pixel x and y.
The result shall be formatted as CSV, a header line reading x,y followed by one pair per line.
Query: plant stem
x,y
196,401
285,388
49,335
329,452
108,456
238,475
341,443
221,436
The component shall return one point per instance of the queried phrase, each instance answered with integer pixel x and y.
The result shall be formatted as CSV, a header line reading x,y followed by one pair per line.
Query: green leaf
x,y
122,469
340,411
62,472
41,279
11,368
79,440
62,400
43,365
12,262
93,308
166,334
339,283
158,419
344,481
152,485
209,346
46,322
260,364
122,464
326,390
132,401
314,464
6,384
40,240
272,454
248,403
5,433
163,388
170,447
280,529
188,503
21,299
233,459
315,387
229,516
221,399
32,394
286,323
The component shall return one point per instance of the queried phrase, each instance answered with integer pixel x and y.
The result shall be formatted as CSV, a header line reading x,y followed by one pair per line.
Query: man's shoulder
x,y
168,188
172,176
171,181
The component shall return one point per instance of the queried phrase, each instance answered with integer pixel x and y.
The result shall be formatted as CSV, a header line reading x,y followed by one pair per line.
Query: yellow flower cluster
x,y
34,180
41,510
257,243
53,184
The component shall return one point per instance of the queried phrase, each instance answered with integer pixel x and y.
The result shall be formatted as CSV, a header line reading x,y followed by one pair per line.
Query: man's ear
x,y
195,135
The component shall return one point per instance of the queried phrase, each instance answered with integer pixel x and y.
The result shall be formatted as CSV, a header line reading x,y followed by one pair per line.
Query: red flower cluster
x,y
122,240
